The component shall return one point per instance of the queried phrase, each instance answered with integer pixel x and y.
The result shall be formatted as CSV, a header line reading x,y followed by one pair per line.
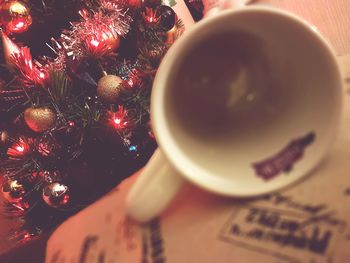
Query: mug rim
x,y
167,143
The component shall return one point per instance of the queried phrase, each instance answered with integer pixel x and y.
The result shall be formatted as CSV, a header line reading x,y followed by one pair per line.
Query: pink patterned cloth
x,y
331,17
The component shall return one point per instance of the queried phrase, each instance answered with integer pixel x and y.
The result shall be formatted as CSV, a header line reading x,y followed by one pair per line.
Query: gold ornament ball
x,y
15,16
39,119
108,88
56,195
4,137
12,191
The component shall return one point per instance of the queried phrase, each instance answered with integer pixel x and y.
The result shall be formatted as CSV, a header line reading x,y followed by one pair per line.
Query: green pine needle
x,y
60,87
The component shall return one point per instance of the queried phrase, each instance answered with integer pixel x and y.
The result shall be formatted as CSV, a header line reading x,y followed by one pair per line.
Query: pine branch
x,y
86,130
60,87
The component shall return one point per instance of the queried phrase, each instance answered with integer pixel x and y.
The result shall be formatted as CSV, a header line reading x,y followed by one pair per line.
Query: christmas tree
x,y
75,84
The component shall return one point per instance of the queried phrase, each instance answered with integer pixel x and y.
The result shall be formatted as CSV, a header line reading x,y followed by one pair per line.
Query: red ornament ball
x,y
56,195
167,17
15,16
150,3
102,42
135,3
113,42
13,191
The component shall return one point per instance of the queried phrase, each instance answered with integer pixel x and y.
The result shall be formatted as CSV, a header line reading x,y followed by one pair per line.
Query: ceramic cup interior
x,y
234,95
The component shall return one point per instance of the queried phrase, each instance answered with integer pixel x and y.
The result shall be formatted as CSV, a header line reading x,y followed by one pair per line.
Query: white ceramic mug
x,y
245,103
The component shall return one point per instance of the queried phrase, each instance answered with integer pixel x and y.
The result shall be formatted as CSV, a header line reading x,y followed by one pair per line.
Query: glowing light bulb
x,y
95,43
117,121
19,25
42,75
20,148
130,82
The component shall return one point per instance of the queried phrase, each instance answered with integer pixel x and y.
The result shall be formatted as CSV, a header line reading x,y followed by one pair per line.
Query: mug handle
x,y
154,189
159,182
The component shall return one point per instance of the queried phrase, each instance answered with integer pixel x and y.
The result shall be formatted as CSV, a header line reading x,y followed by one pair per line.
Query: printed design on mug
x,y
284,160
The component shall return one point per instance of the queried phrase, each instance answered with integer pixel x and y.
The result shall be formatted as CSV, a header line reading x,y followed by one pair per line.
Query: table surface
x,y
332,20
